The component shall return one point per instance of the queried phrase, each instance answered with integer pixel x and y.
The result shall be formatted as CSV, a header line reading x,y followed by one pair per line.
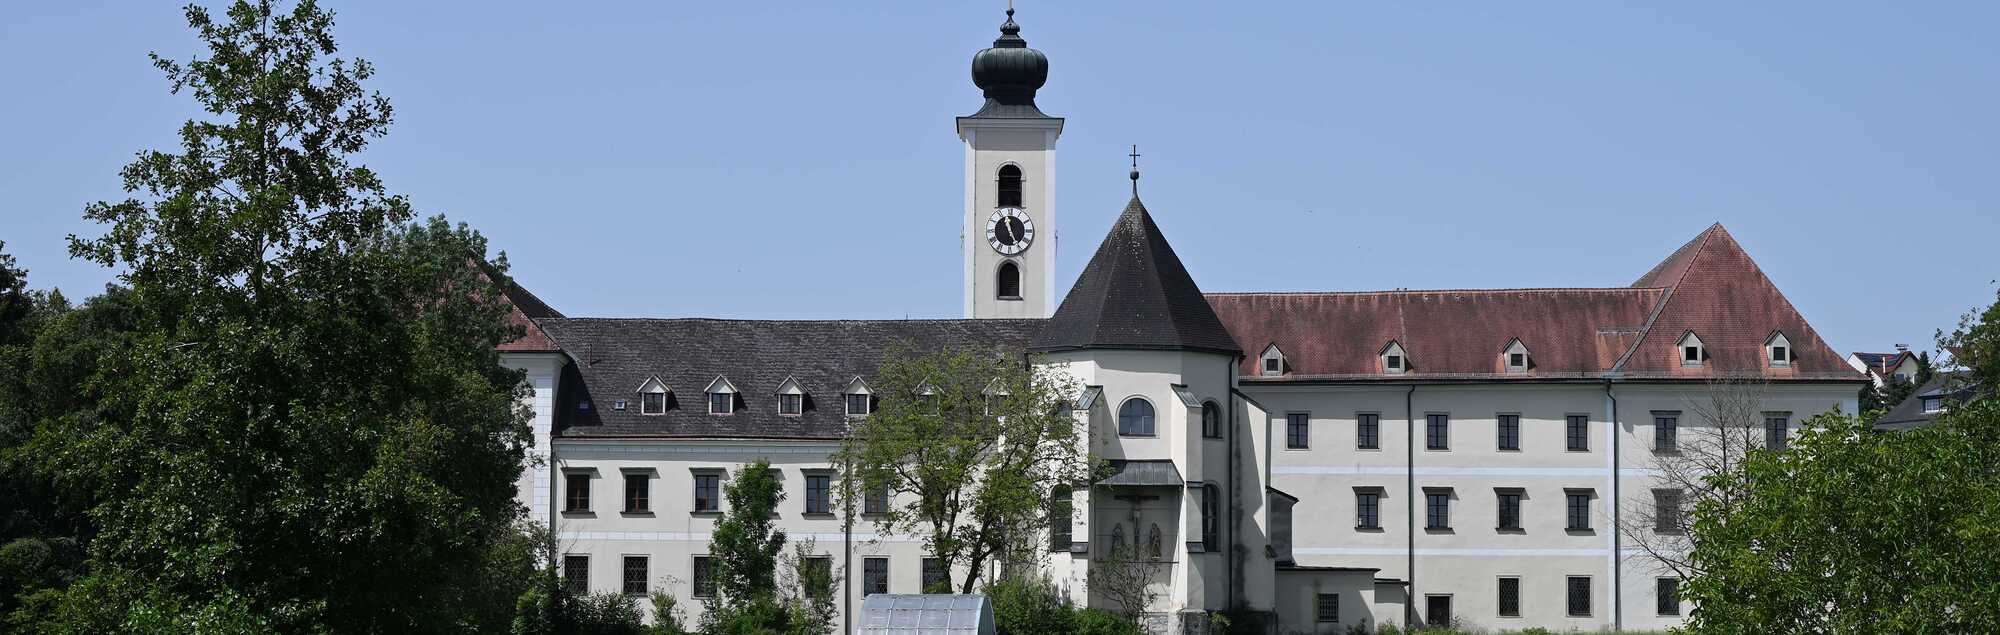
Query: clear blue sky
x,y
742,159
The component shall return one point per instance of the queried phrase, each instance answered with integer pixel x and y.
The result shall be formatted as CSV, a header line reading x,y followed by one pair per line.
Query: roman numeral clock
x,y
1009,230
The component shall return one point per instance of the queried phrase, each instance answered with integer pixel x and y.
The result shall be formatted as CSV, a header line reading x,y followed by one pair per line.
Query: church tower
x,y
1009,232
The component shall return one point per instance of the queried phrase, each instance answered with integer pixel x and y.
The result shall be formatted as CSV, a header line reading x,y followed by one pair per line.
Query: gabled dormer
x,y
996,394
1691,351
791,398
721,396
1271,363
653,396
1516,358
1778,350
927,396
858,399
1393,360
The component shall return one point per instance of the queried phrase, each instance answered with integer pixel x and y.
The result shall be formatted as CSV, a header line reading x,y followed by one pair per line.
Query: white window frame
x,y
1778,350
720,386
652,386
1690,340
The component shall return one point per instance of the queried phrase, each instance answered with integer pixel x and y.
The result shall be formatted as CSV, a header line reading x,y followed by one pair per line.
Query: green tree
x,y
972,444
307,427
1975,344
1855,531
749,556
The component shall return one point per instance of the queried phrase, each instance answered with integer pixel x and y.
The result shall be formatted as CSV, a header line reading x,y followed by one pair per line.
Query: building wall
x,y
990,144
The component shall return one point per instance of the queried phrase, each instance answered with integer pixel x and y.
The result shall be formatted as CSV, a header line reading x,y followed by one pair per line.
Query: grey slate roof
x,y
614,357
1151,472
1952,386
1135,294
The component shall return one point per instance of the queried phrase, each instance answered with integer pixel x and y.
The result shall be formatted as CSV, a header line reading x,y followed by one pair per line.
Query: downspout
x,y
1410,502
847,550
1229,440
1617,548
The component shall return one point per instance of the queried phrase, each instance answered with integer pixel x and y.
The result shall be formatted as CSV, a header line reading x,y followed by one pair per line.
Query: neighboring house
x,y
1882,367
1328,459
1940,394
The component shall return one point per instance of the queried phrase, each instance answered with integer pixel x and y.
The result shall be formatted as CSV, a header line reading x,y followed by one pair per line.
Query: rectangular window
x,y
1510,432
1437,506
1579,596
707,492
1437,609
1579,510
1060,504
1510,508
1579,433
1368,431
1667,596
1437,432
576,492
721,403
1517,360
704,577
1328,607
1297,430
1775,429
857,405
1932,404
818,486
936,579
1368,509
791,404
874,576
1271,365
817,568
653,403
1667,510
635,575
1667,432
638,492
1690,354
576,574
876,500
1510,597
1779,356
1395,362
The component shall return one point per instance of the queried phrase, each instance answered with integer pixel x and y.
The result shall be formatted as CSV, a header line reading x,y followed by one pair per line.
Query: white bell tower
x,y
1009,232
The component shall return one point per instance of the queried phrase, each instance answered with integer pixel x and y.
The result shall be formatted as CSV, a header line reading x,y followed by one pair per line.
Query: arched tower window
x,y
1007,282
1010,185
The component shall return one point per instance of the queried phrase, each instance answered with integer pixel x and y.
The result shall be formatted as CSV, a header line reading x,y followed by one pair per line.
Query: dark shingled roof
x,y
1135,294
1953,387
1145,473
614,357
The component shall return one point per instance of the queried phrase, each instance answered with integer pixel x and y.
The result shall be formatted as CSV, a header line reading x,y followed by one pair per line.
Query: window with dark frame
x,y
1437,609
1273,365
1579,510
874,576
1666,510
704,577
1578,429
1298,431
1395,362
1667,596
653,403
1779,355
1437,432
721,403
1211,420
635,575
790,404
1368,431
1579,596
1510,508
1211,518
1517,360
1775,430
1510,597
1135,418
638,492
875,500
818,487
1666,432
1510,432
1060,504
576,574
935,579
817,568
1690,353
576,492
1368,509
857,405
1437,509
707,491
1009,186
1007,282
1328,609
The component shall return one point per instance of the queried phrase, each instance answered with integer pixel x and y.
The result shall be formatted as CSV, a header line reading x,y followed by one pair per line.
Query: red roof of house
x,y
1708,286
523,309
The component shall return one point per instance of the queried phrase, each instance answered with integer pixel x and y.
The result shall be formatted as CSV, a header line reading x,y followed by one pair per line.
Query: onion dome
x,y
1009,74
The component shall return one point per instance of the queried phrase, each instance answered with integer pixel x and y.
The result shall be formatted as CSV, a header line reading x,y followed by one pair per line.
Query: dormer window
x,y
1692,353
1010,186
927,397
857,398
1778,350
721,396
791,398
996,397
1272,362
652,397
1394,360
1516,357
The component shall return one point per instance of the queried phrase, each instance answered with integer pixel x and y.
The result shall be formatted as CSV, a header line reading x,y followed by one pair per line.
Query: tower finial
x,y
1135,170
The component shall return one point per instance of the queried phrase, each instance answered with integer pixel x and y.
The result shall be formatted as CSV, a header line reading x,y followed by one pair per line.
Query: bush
x,y
1029,606
1102,622
606,613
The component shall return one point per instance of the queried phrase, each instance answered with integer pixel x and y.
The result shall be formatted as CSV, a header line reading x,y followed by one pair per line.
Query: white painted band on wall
x,y
1343,470
1518,553
704,537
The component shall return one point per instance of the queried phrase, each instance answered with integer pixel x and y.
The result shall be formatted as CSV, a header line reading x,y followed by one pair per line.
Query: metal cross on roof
x,y
1135,170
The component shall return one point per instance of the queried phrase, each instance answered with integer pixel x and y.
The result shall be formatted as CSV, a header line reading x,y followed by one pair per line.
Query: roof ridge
x,y
796,321
1422,291
1700,244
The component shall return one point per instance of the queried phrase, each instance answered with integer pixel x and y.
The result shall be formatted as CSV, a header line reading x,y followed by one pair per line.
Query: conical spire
x,y
1135,294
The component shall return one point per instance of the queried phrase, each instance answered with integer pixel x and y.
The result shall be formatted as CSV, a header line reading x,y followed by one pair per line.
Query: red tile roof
x,y
523,309
1709,286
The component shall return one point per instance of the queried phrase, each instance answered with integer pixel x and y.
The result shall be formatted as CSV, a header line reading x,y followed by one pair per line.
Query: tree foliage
x,y
1975,344
302,424
1856,531
970,444
749,557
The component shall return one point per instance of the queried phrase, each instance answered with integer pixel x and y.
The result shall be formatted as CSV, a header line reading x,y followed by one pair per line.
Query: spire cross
x,y
1135,169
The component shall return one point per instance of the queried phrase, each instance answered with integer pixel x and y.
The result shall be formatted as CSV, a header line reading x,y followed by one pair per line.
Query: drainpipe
x,y
847,551
1617,549
1410,503
1229,547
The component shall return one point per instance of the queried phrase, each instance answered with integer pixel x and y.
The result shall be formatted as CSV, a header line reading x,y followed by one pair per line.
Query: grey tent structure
x,y
883,614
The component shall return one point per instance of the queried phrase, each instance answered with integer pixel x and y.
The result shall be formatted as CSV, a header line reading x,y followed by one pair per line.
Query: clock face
x,y
1010,231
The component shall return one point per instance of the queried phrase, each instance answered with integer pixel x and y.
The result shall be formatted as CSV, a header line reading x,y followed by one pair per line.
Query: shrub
x,y
1029,606
1102,622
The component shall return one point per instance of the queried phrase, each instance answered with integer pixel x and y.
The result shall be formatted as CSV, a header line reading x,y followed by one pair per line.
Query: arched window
x,y
1211,517
1010,185
1007,282
1135,418
1211,420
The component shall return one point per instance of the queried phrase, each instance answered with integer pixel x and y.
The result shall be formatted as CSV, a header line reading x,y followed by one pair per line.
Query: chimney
x,y
1902,348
